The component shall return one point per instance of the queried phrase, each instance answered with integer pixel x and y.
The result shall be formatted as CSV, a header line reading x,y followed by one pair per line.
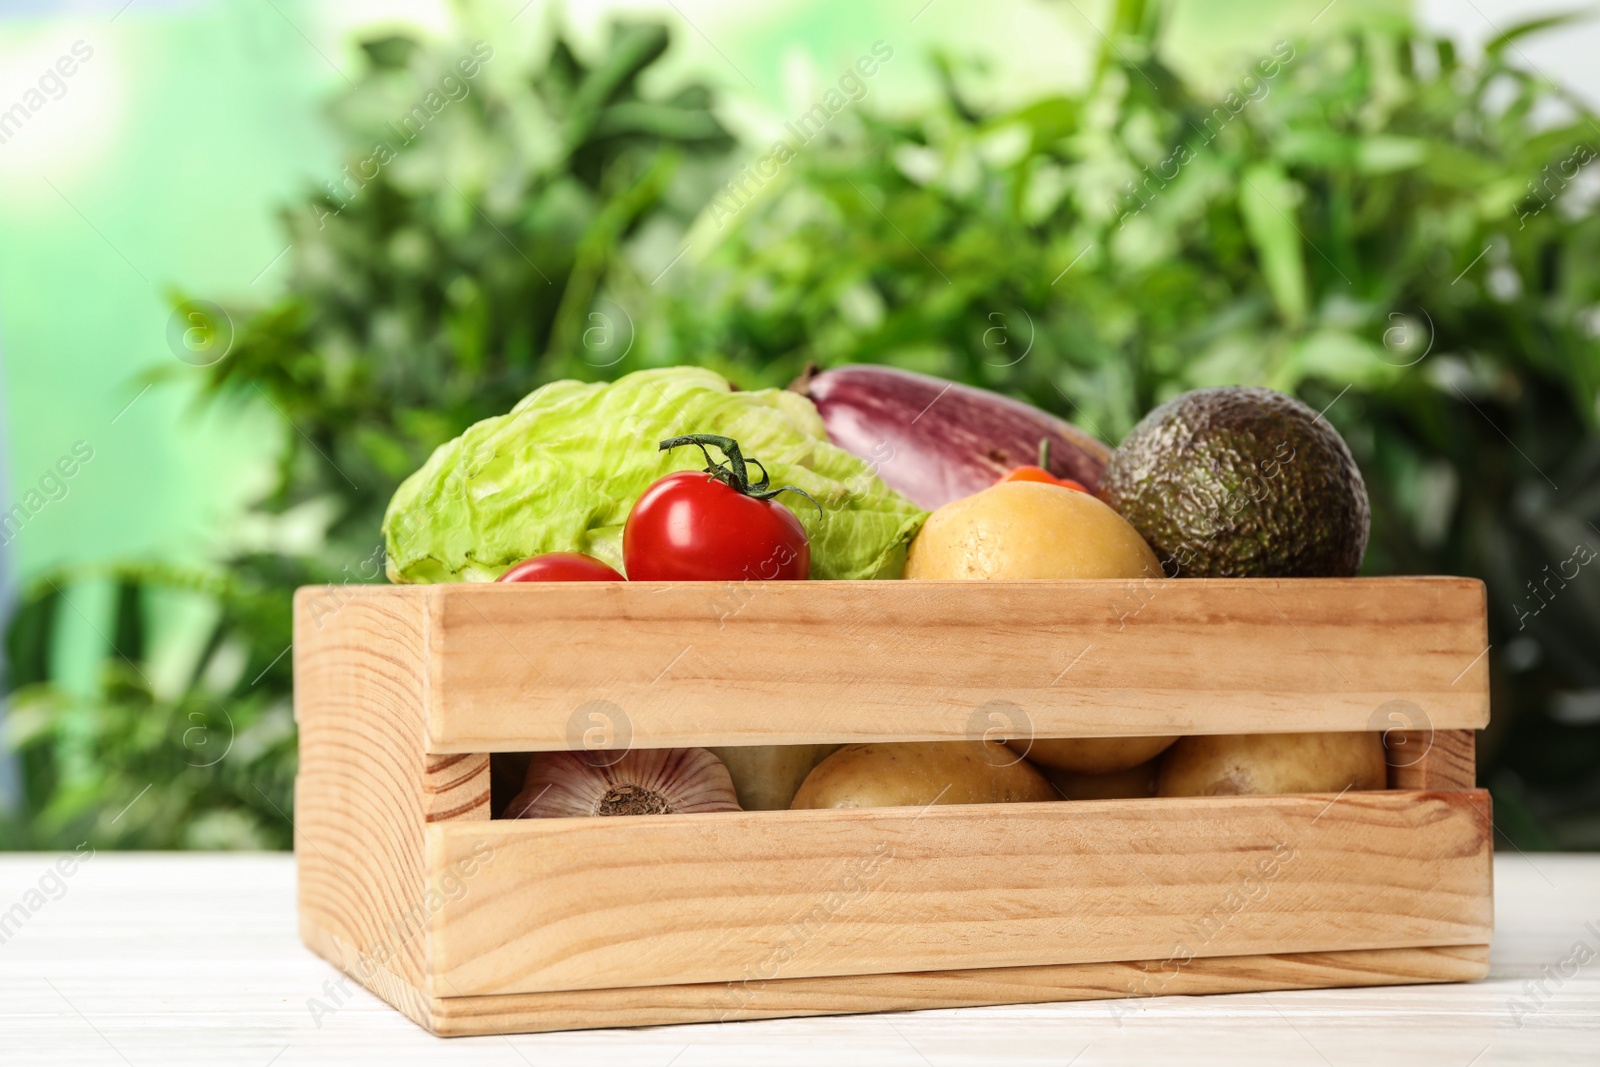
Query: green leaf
x,y
1384,154
1051,119
1339,358
1268,201
1500,42
390,53
1316,147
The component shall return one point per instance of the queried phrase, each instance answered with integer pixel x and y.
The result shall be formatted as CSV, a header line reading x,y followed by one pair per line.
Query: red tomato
x,y
691,527
560,567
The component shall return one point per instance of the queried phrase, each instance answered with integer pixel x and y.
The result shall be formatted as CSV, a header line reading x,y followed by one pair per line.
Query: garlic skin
x,y
649,781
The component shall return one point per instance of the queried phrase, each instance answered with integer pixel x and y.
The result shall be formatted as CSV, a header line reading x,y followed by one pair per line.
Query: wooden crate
x,y
471,925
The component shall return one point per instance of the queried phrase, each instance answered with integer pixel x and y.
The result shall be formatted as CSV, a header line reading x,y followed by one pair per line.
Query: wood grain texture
x,y
727,1002
1432,759
602,903
456,788
515,667
359,964
359,791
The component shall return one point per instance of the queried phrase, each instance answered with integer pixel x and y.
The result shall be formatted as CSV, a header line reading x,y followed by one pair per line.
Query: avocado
x,y
1241,482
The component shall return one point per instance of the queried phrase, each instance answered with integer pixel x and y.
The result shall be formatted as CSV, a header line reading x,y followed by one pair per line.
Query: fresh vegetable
x,y
921,773
767,776
560,567
1029,530
1242,482
1091,755
937,441
646,781
561,471
714,525
1040,472
1259,764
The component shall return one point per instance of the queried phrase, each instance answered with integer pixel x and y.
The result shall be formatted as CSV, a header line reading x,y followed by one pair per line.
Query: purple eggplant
x,y
936,441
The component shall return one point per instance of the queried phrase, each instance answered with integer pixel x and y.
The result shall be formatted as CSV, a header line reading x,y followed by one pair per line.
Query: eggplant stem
x,y
1044,453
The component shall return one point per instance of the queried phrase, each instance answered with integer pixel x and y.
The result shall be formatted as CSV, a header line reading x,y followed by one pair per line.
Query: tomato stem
x,y
735,474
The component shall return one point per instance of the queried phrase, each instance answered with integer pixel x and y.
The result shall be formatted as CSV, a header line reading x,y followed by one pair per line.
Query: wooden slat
x,y
1432,759
726,1002
604,903
514,667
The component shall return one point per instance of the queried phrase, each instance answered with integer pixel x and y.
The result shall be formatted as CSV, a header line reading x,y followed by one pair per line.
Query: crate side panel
x,y
598,903
827,662
359,793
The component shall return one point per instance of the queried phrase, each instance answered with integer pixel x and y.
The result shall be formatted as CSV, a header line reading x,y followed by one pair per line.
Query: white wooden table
x,y
165,959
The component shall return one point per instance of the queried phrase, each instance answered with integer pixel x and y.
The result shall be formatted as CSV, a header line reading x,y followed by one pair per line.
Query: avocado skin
x,y
1241,482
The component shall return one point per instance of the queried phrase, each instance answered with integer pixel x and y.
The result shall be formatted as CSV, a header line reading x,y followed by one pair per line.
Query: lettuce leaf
x,y
560,472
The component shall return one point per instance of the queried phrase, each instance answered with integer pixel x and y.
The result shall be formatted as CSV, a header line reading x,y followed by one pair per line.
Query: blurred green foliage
x,y
428,290
1402,237
150,758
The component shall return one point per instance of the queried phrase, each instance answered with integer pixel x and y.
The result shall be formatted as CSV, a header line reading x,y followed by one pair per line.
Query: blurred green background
x,y
1397,223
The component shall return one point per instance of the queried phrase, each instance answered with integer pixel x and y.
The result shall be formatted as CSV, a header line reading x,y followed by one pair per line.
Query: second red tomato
x,y
691,526
560,567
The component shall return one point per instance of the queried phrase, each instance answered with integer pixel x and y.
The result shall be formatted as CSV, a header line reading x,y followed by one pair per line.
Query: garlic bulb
x,y
650,781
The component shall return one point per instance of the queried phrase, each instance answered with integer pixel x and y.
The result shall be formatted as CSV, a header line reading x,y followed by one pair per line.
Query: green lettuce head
x,y
561,471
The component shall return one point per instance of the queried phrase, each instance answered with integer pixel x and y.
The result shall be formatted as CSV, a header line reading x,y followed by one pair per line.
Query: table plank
x,y
181,959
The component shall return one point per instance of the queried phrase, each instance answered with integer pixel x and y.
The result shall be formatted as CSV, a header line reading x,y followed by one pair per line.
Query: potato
x,y
1134,782
1029,530
1091,755
766,776
921,773
1260,764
